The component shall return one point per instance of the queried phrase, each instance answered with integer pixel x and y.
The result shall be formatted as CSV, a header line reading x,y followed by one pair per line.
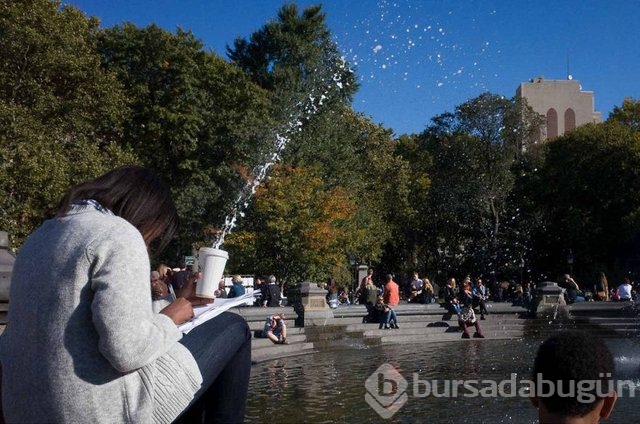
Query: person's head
x,y
451,282
416,275
370,272
135,194
389,277
380,299
155,276
272,279
221,284
579,359
236,279
164,270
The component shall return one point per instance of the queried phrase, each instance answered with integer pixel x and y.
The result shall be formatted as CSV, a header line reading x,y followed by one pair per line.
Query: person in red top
x,y
391,292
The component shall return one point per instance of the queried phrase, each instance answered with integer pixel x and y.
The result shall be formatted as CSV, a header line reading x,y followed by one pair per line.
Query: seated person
x,y
237,289
415,288
332,294
573,290
160,293
343,297
451,303
566,358
428,292
385,315
623,293
222,290
275,329
479,297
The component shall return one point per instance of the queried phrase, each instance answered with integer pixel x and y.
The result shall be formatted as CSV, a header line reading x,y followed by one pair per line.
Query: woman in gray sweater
x,y
83,345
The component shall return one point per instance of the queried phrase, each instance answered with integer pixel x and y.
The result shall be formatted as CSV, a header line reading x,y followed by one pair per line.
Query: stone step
x,y
609,320
264,342
259,325
280,351
437,324
445,337
436,330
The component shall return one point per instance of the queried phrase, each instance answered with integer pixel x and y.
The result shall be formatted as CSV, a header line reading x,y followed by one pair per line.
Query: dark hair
x,y
570,357
133,193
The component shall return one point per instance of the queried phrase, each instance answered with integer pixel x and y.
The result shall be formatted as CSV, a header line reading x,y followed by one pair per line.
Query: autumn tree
x,y
299,228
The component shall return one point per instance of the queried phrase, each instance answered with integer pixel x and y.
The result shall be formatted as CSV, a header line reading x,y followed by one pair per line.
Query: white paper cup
x,y
212,262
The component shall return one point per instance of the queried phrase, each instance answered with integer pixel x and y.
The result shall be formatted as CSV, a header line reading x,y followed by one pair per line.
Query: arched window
x,y
552,123
569,120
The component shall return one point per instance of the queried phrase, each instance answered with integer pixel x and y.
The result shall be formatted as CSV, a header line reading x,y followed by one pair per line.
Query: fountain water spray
x,y
306,108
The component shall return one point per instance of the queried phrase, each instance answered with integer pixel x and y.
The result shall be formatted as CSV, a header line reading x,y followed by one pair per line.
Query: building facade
x,y
562,102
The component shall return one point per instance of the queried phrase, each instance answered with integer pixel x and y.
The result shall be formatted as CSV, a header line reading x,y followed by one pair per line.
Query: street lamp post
x,y
354,270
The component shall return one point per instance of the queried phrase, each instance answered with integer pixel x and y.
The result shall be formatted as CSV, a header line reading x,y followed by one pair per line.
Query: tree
x,y
628,114
299,228
196,119
295,59
61,114
588,191
473,151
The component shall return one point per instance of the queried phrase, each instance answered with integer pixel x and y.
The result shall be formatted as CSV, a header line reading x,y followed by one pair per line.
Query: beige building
x,y
562,102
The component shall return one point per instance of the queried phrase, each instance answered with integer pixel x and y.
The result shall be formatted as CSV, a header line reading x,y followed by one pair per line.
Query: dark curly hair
x,y
570,357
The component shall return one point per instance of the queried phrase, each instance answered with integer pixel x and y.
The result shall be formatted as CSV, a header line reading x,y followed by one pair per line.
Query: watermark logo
x,y
386,391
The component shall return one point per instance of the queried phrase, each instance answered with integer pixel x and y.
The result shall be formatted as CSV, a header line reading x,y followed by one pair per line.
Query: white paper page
x,y
206,312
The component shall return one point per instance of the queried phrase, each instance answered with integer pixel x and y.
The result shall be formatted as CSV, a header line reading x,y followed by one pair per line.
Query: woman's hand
x,y
180,311
189,291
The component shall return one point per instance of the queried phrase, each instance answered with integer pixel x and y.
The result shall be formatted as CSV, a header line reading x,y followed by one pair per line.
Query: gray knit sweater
x,y
82,344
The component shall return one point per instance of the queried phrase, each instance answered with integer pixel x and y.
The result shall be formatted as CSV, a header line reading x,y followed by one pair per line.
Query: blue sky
x,y
418,59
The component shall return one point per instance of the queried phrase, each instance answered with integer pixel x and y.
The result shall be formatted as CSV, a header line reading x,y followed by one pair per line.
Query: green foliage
x,y
60,113
197,120
588,190
473,151
295,59
628,114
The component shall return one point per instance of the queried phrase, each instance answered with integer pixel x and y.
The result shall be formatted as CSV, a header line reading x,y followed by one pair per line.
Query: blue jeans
x,y
222,349
389,316
453,308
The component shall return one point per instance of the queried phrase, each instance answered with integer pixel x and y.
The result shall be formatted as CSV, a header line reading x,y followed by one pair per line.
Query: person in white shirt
x,y
624,290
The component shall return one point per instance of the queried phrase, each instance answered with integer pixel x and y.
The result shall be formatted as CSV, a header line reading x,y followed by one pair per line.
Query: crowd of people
x,y
600,290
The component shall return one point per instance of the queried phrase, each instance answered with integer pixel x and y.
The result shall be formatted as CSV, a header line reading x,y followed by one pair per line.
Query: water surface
x,y
329,386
